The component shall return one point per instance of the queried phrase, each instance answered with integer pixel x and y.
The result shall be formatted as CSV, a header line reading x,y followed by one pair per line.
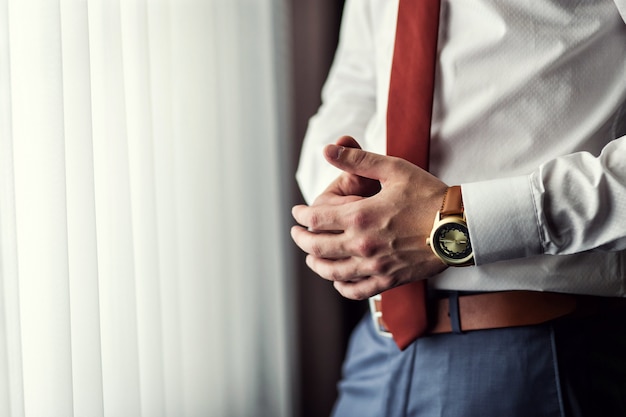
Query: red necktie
x,y
408,135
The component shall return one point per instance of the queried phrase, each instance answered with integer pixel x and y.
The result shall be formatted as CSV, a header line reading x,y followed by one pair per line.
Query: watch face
x,y
451,241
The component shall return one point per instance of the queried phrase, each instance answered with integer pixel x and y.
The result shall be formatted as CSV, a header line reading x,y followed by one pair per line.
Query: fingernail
x,y
334,151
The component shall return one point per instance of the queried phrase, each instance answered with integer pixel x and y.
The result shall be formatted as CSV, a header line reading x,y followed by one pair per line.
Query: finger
x,y
365,288
350,268
362,163
320,218
321,245
345,269
348,142
349,184
333,199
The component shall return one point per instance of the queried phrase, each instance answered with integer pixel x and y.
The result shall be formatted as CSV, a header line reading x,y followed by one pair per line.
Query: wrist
x,y
449,238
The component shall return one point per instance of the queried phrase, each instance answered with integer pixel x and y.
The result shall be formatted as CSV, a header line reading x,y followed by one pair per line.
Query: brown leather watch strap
x,y
452,202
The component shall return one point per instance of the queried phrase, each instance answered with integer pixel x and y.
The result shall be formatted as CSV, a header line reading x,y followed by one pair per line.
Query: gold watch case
x,y
450,241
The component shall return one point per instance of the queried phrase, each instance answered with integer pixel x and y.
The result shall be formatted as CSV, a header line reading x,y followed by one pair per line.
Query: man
x,y
529,119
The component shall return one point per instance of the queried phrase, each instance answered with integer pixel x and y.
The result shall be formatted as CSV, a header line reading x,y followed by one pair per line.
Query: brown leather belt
x,y
492,310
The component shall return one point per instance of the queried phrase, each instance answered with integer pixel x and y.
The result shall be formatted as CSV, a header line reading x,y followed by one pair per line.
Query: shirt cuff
x,y
502,219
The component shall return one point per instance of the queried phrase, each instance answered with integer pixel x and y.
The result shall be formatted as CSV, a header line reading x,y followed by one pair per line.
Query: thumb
x,y
359,162
348,142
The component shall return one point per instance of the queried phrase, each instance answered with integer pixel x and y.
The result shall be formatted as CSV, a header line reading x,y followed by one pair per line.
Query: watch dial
x,y
452,241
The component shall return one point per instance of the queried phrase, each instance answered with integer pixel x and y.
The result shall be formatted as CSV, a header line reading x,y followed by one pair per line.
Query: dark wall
x,y
325,319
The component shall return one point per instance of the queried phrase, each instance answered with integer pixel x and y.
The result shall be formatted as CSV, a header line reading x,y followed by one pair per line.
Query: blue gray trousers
x,y
572,367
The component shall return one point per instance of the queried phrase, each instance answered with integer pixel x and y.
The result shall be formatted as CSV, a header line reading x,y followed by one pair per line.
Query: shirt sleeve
x,y
348,99
571,204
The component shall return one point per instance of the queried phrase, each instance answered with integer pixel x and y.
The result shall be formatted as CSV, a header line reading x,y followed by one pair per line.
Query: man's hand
x,y
368,239
347,187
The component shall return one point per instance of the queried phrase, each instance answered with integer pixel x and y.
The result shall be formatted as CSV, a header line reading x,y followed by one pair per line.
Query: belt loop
x,y
455,316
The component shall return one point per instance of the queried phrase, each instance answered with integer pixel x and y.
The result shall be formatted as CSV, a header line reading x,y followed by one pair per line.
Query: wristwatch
x,y
449,238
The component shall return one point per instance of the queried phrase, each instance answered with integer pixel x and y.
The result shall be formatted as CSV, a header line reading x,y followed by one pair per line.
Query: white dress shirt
x,y
529,117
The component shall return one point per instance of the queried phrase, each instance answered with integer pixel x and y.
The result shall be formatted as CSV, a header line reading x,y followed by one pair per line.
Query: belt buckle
x,y
377,315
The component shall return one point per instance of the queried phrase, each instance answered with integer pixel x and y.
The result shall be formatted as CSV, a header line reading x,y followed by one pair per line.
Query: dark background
x,y
324,318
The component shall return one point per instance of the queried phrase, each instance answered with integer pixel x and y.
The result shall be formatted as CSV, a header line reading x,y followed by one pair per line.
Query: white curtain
x,y
142,223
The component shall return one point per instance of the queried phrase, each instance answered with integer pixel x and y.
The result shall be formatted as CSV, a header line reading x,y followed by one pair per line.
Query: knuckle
x,y
355,293
358,156
360,295
359,220
365,247
335,275
380,266
389,281
399,163
314,221
317,251
326,271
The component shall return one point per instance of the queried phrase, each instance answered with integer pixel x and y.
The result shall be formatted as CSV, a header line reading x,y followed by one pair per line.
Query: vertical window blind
x,y
143,232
